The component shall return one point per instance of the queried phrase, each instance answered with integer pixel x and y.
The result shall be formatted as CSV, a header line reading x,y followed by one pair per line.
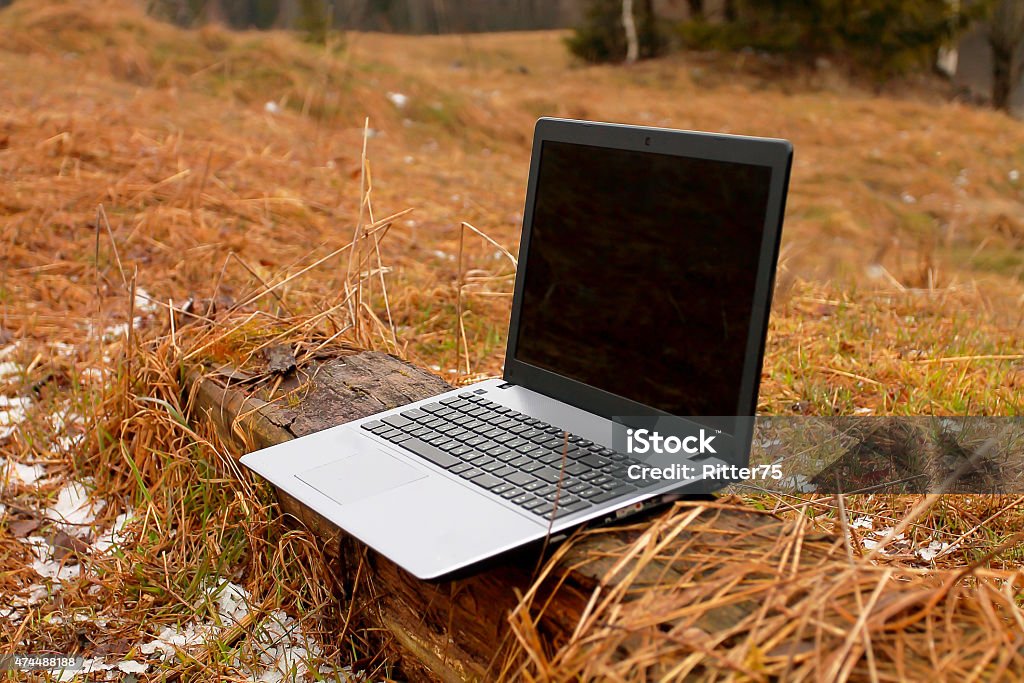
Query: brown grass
x,y
900,293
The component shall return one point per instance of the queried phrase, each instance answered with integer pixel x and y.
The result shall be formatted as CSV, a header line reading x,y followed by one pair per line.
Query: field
x,y
146,168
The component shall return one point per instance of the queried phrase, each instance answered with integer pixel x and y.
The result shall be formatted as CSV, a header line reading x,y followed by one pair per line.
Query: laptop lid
x,y
646,267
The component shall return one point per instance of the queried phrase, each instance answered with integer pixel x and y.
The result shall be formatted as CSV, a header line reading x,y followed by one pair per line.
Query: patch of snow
x,y
73,511
9,369
908,198
8,350
46,566
933,550
114,536
869,543
1014,175
130,666
800,483
172,638
398,99
89,666
285,652
144,301
232,601
862,523
442,255
12,472
32,595
13,411
3,510
863,411
272,107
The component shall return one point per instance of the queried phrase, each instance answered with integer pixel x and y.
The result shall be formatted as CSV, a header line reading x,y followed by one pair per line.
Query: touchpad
x,y
359,476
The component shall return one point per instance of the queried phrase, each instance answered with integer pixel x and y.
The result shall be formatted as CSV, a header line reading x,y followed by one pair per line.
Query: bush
x,y
602,38
887,37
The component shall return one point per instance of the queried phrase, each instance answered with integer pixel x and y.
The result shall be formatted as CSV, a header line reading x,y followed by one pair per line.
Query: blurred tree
x,y
887,37
1006,35
601,37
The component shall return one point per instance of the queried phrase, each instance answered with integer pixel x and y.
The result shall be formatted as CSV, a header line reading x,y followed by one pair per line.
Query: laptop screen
x,y
640,274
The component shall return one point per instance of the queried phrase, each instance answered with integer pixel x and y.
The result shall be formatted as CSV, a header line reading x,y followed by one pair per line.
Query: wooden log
x,y
450,630
460,630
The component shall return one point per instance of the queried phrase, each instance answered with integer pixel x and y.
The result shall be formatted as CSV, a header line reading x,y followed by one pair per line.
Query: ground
x,y
144,166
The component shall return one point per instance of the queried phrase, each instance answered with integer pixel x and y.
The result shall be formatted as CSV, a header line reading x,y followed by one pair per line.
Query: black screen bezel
x,y
775,154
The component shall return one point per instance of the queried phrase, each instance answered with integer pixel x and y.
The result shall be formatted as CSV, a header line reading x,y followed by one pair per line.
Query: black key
x,y
480,459
400,437
594,460
531,466
516,442
433,424
374,426
415,414
586,443
505,438
461,420
434,455
602,480
614,493
447,413
504,472
502,488
607,452
576,468
491,433
529,449
592,492
421,432
531,434
524,498
548,474
519,478
513,492
503,454
432,407
520,461
555,430
466,394
477,441
491,466
461,467
461,434
563,498
549,458
390,434
574,439
437,439
486,481
534,485
475,425
472,472
591,475
548,441
539,506
397,421
459,450
519,427
564,510
545,491
578,488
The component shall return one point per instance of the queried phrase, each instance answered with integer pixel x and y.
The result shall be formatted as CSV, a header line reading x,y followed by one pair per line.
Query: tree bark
x,y
1005,36
629,23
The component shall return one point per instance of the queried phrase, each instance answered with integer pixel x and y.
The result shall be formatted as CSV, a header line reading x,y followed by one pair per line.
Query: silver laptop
x,y
640,310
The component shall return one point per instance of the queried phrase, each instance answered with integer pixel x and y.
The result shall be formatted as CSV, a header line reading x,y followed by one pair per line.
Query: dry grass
x,y
227,163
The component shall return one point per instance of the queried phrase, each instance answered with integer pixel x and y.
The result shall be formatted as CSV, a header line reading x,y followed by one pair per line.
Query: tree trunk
x,y
1005,36
628,22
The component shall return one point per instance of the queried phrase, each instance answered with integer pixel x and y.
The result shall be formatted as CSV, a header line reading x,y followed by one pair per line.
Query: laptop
x,y
638,320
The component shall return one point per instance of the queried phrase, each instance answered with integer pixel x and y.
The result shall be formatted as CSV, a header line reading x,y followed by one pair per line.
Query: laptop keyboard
x,y
510,454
